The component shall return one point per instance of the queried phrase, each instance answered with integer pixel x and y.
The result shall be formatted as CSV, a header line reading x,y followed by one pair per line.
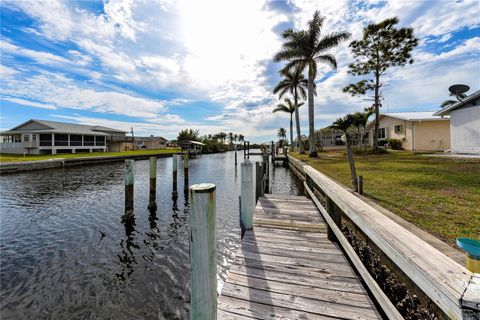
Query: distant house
x,y
192,147
464,124
51,137
417,130
151,142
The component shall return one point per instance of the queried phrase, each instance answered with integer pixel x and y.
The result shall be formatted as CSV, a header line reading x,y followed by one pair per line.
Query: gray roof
x,y
149,138
458,104
46,126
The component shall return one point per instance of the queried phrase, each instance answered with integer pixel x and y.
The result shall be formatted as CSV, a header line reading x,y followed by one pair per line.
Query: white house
x,y
464,124
51,137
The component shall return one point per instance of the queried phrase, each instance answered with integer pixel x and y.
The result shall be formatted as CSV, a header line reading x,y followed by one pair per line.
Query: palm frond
x,y
330,41
328,59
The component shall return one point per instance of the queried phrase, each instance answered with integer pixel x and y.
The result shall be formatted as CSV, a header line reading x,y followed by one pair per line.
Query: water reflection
x,y
67,252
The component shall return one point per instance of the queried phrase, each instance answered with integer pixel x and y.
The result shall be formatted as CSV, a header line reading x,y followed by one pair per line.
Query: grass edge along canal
x,y
438,195
5,158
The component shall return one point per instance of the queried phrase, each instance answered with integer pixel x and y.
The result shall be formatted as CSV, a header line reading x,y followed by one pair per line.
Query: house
x,y
151,142
51,137
192,147
464,124
417,130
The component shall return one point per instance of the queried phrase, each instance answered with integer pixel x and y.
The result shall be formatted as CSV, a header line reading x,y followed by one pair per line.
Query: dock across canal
x,y
286,268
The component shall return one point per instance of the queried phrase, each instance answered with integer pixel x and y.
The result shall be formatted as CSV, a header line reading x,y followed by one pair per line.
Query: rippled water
x,y
67,254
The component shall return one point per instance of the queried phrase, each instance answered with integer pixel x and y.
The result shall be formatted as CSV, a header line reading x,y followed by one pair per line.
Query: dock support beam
x,y
152,201
203,252
129,164
247,196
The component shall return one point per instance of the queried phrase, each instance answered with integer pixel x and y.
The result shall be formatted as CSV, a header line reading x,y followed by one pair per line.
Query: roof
x,y
149,138
61,127
191,141
412,116
459,104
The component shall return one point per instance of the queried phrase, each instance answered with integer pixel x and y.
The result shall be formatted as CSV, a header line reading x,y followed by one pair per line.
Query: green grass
x,y
17,157
439,195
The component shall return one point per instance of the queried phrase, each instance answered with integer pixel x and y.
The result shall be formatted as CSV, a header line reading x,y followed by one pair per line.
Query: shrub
x,y
367,151
395,144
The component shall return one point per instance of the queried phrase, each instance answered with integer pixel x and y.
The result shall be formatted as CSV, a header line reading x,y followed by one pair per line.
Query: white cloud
x,y
39,56
29,103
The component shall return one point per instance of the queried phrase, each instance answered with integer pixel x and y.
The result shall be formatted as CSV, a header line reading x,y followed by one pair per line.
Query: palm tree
x,y
241,138
360,120
288,107
344,124
189,134
230,137
305,49
449,102
222,136
295,83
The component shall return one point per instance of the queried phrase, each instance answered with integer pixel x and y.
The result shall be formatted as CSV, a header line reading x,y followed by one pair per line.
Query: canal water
x,y
66,253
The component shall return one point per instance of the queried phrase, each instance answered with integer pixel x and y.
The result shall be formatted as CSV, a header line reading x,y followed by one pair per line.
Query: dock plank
x,y
286,268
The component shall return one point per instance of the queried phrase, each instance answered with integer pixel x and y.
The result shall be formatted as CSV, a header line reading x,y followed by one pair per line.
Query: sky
x,y
162,65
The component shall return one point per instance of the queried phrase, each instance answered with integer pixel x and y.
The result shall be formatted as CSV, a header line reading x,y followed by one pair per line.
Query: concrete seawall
x,y
14,167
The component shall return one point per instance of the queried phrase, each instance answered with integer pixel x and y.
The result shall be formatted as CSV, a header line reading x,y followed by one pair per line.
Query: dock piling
x,y
235,155
247,196
152,202
186,165
360,185
129,164
175,167
203,252
258,180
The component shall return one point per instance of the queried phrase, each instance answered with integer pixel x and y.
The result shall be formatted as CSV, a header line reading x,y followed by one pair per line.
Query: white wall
x,y
465,130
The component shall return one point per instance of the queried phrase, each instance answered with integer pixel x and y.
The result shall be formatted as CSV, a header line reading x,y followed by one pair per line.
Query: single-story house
x,y
421,131
151,142
464,124
51,137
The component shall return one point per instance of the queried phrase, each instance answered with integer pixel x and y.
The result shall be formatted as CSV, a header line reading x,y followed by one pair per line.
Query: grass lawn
x,y
18,157
439,195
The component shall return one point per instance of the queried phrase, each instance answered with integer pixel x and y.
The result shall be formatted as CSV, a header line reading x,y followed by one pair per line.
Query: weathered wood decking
x,y
286,268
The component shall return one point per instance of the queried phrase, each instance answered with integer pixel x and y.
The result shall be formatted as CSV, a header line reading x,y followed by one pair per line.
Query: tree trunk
x,y
297,121
353,171
311,116
291,132
377,111
359,137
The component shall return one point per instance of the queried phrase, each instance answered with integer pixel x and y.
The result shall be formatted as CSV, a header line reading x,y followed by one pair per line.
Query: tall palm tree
x,y
360,120
295,83
344,124
282,135
241,138
230,137
306,48
222,136
288,107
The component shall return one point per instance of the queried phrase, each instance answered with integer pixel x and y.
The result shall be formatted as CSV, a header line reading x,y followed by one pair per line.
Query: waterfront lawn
x,y
18,157
440,195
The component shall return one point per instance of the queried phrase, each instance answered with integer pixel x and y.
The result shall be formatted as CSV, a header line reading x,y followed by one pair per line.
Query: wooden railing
x,y
454,289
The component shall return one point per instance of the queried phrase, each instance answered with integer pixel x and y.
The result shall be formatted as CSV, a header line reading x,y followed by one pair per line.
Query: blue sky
x,y
161,66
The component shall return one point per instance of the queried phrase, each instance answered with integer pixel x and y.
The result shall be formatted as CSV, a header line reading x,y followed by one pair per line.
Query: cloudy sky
x,y
161,66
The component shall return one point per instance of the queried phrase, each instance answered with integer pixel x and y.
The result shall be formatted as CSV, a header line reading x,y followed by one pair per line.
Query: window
x,y
75,140
89,141
398,128
61,139
26,138
100,141
34,137
381,133
46,139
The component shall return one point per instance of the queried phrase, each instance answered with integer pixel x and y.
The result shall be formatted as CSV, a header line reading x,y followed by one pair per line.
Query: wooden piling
x,y
272,151
235,155
266,172
248,149
247,196
129,165
360,185
244,150
203,252
186,165
258,180
152,202
175,167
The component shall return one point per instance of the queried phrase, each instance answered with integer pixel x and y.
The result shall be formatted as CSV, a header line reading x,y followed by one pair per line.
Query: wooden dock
x,y
286,268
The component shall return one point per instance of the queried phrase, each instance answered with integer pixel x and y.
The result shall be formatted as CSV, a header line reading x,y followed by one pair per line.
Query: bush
x,y
367,151
395,144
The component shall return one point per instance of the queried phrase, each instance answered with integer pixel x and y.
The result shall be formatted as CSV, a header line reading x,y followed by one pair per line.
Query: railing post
x,y
335,215
360,185
203,252
247,196
152,204
129,165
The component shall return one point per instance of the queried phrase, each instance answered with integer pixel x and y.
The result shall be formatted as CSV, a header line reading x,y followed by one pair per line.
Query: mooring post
x,y
186,165
235,154
247,196
248,149
203,254
258,180
152,203
266,172
244,150
174,166
360,185
272,151
129,186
